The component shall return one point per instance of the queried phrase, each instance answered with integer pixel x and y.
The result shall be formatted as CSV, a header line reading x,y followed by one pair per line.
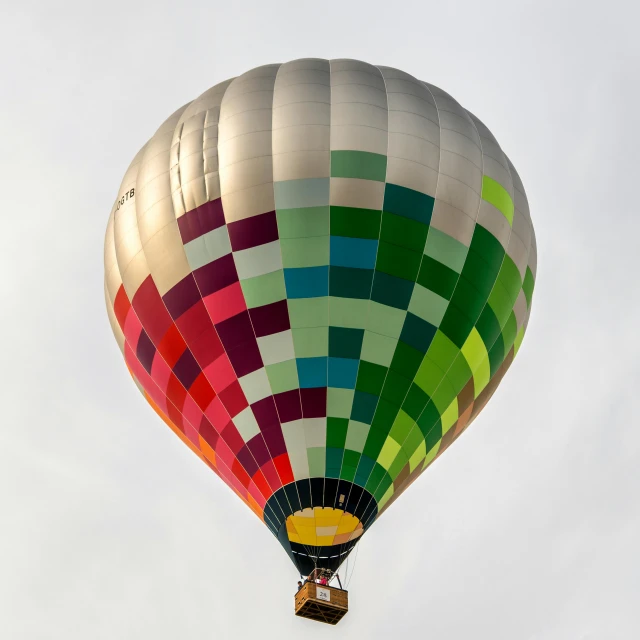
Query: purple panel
x,y
265,412
270,319
186,369
235,331
288,404
246,459
314,402
182,296
275,440
216,275
245,358
145,351
208,433
252,232
259,449
201,220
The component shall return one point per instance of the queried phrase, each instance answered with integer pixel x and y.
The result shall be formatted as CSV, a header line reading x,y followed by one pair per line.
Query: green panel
x,y
317,461
430,419
406,360
357,435
303,223
336,432
437,277
480,273
345,282
398,261
456,325
414,440
408,203
348,312
442,351
459,373
403,232
355,223
370,377
509,332
333,462
264,289
345,343
415,401
527,286
400,462
445,249
467,298
429,376
391,291
374,443
358,164
377,348
312,342
487,246
375,478
488,326
496,355
395,388
427,305
305,252
498,196
386,320
386,413
283,376
500,303
307,192
308,312
510,278
401,428
339,402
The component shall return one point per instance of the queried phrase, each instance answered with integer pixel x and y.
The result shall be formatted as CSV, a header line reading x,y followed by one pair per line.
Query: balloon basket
x,y
321,603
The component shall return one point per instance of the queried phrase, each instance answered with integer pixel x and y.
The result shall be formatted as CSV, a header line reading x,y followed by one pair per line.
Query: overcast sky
x,y
528,528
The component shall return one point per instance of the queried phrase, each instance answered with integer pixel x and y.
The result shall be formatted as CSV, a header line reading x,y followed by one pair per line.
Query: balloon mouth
x,y
318,521
323,526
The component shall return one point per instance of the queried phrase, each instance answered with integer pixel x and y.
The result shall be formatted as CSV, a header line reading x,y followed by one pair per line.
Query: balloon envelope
x,y
318,273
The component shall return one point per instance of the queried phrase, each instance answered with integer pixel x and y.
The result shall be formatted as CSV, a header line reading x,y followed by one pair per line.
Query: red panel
x,y
151,310
283,466
202,392
172,346
121,306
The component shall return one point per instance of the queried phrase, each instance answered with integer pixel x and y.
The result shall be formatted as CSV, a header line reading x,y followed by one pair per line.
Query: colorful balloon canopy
x,y
318,273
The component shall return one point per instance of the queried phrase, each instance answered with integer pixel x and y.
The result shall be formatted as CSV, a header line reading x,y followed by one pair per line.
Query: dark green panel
x,y
468,299
437,277
417,333
415,402
408,203
481,275
395,388
403,232
364,406
398,261
370,377
392,291
488,326
345,282
386,413
345,343
456,326
488,246
406,360
355,223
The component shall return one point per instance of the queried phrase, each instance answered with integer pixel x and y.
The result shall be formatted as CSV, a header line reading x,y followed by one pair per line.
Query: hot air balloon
x,y
318,273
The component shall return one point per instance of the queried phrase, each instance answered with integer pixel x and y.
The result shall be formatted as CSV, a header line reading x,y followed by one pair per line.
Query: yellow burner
x,y
323,526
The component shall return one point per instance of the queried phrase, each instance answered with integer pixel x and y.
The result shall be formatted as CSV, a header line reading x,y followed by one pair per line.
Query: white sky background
x,y
527,528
